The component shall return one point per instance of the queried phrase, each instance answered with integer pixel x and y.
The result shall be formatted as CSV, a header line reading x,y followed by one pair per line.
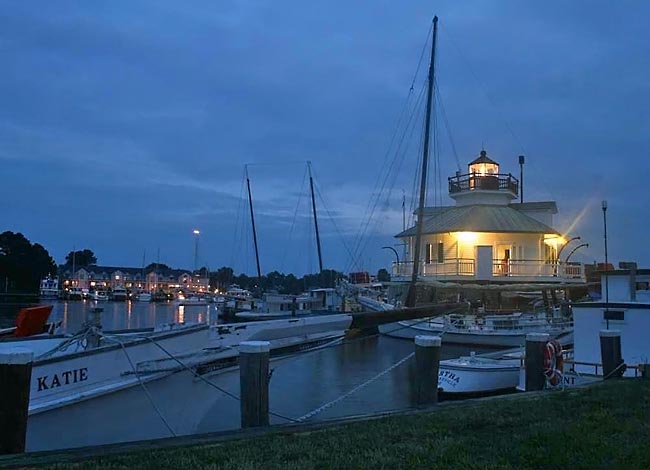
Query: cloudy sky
x,y
124,125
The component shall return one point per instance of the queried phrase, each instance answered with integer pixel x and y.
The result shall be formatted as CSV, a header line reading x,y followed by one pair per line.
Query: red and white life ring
x,y
553,362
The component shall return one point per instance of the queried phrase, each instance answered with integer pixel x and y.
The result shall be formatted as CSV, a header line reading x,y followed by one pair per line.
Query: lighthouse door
x,y
484,263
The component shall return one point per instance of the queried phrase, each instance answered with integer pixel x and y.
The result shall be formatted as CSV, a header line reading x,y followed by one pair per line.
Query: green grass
x,y
603,426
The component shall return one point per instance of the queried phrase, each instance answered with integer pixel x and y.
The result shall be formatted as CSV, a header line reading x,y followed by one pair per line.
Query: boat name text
x,y
64,378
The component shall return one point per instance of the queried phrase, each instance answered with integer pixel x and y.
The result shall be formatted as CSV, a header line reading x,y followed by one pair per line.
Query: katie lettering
x,y
68,377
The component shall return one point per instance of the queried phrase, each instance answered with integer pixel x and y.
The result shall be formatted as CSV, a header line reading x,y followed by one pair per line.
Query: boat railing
x,y
473,322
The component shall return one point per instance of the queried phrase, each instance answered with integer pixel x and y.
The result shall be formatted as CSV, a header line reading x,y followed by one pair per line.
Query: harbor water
x,y
338,380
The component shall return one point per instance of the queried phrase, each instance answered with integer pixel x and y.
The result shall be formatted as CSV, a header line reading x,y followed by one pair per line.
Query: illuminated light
x,y
196,232
466,237
554,240
117,277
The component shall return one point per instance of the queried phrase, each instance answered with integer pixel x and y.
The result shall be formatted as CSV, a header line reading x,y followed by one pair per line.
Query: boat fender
x,y
553,362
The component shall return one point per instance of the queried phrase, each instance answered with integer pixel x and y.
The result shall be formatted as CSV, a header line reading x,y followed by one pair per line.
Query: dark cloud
x,y
125,125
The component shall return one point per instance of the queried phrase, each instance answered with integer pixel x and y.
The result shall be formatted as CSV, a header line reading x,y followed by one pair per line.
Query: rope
x,y
200,377
146,391
329,404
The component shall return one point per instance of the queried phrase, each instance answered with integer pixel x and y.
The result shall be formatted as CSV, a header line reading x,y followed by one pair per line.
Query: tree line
x,y
23,264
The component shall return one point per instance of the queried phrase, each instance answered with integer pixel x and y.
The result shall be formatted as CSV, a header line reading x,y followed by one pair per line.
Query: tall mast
x,y
410,298
250,203
313,205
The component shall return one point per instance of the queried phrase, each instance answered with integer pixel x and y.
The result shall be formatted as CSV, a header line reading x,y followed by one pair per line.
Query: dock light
x,y
196,232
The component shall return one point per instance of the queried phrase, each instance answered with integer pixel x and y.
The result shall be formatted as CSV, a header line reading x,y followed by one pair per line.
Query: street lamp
x,y
574,250
564,246
604,206
196,232
393,250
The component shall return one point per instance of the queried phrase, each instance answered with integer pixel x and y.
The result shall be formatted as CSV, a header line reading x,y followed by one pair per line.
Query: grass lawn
x,y
603,426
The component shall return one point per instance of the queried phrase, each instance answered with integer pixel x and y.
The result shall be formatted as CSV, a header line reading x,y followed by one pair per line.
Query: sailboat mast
x,y
250,204
313,205
410,299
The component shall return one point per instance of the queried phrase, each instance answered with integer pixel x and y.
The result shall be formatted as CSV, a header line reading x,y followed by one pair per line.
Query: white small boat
x,y
144,297
192,300
98,295
480,374
119,294
49,288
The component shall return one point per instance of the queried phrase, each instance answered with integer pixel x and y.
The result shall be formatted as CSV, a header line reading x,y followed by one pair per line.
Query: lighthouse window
x,y
441,253
427,253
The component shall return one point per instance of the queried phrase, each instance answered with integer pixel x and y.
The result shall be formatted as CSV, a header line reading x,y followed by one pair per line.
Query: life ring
x,y
553,362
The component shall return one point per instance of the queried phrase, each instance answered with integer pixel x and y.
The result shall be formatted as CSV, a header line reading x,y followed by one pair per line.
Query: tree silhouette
x,y
81,258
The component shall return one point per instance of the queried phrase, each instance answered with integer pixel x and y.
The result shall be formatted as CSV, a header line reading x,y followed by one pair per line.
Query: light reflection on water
x,y
116,315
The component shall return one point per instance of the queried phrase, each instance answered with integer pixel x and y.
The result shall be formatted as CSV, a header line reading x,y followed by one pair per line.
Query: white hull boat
x,y
144,297
471,337
107,382
479,374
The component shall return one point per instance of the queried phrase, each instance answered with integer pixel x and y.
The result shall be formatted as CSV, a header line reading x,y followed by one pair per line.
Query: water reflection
x,y
115,315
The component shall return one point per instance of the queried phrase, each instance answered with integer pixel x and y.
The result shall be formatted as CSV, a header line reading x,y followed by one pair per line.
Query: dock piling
x,y
534,361
427,365
15,377
254,383
610,353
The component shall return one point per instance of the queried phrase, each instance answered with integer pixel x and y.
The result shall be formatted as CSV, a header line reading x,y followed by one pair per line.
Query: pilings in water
x,y
427,365
254,383
15,379
534,362
610,353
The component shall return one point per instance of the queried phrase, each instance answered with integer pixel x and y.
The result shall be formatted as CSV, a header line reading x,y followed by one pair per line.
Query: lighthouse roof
x,y
483,158
478,218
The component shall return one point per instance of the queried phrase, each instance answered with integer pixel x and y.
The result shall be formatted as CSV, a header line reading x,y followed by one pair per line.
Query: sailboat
x,y
275,305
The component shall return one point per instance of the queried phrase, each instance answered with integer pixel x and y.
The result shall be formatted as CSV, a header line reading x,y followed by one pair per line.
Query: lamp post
x,y
393,250
196,233
574,250
565,245
604,207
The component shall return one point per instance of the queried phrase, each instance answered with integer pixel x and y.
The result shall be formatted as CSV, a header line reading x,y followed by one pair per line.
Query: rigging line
x,y
483,89
276,163
236,239
363,230
146,391
329,404
409,95
443,113
331,217
400,161
200,377
424,49
293,222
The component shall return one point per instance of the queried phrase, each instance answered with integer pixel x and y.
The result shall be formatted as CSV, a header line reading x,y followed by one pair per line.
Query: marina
x,y
485,313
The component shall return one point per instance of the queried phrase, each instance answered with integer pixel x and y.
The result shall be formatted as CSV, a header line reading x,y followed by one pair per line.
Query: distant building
x,y
109,277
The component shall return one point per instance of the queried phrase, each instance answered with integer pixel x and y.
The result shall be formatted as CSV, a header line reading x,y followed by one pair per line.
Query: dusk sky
x,y
124,125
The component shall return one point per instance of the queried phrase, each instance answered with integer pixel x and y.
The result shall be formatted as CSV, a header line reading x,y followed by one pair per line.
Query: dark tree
x,y
23,264
383,276
81,258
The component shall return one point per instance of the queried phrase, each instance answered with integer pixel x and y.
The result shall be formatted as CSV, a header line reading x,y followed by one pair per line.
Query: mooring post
x,y
427,365
15,379
610,353
534,361
254,383
94,325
